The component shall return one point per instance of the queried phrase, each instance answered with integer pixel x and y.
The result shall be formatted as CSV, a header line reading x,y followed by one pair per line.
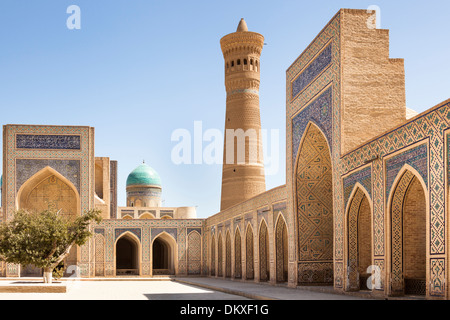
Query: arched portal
x,y
237,255
49,190
408,236
264,262
250,264
314,202
281,239
359,241
127,255
163,255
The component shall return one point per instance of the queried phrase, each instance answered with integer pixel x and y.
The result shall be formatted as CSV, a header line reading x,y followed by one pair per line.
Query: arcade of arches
x,y
364,208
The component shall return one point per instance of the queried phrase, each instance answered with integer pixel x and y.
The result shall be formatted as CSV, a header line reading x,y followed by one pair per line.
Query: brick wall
x,y
414,232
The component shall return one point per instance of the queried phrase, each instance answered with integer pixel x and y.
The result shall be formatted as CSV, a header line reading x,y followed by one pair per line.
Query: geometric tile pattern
x,y
146,231
281,248
397,279
194,253
119,231
213,256
99,257
264,262
250,266
327,86
416,157
228,255
220,256
33,147
363,177
315,199
429,159
318,112
353,254
238,255
26,168
319,64
437,282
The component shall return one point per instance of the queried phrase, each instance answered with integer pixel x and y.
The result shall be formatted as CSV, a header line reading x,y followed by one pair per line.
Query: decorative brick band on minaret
x,y
242,180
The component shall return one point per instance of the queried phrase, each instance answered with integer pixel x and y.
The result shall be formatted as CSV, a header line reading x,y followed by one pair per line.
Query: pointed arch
x,y
146,216
127,254
264,256
48,189
228,254
52,178
408,206
281,248
220,256
194,253
99,254
164,254
359,238
249,253
358,187
237,254
213,255
314,207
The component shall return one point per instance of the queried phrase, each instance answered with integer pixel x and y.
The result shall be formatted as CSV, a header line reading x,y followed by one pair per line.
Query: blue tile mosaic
x,y
157,231
30,141
416,157
312,71
136,231
26,168
320,113
364,177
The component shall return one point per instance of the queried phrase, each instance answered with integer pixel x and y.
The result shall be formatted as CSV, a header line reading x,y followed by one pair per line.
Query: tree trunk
x,y
48,275
48,271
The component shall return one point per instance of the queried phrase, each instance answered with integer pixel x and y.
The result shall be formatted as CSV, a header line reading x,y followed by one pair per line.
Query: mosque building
x,y
364,208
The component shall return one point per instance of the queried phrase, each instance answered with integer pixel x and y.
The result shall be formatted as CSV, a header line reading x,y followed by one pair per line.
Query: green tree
x,y
44,239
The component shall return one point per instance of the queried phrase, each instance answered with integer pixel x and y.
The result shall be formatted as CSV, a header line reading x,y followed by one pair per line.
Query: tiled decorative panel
x,y
315,204
26,168
363,177
157,231
119,231
416,157
319,64
34,141
319,112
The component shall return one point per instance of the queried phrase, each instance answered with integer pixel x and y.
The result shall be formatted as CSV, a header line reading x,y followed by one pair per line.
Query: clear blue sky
x,y
139,69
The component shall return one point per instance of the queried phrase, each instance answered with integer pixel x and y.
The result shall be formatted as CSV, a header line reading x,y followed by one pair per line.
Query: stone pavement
x,y
189,288
268,292
125,290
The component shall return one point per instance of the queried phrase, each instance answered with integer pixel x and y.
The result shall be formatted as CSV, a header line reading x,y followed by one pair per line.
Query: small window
x,y
245,62
251,62
239,62
232,63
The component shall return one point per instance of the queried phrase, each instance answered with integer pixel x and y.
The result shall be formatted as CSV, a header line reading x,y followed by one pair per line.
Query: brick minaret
x,y
242,180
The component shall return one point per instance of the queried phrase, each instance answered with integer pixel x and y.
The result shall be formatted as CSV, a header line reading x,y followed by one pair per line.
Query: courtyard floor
x,y
175,289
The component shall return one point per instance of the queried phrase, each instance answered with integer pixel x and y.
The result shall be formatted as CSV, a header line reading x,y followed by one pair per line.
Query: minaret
x,y
242,180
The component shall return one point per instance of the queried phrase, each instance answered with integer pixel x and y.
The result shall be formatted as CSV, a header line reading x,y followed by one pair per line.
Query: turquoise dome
x,y
144,175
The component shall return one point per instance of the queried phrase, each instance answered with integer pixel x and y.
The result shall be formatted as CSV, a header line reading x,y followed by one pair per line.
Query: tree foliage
x,y
43,239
